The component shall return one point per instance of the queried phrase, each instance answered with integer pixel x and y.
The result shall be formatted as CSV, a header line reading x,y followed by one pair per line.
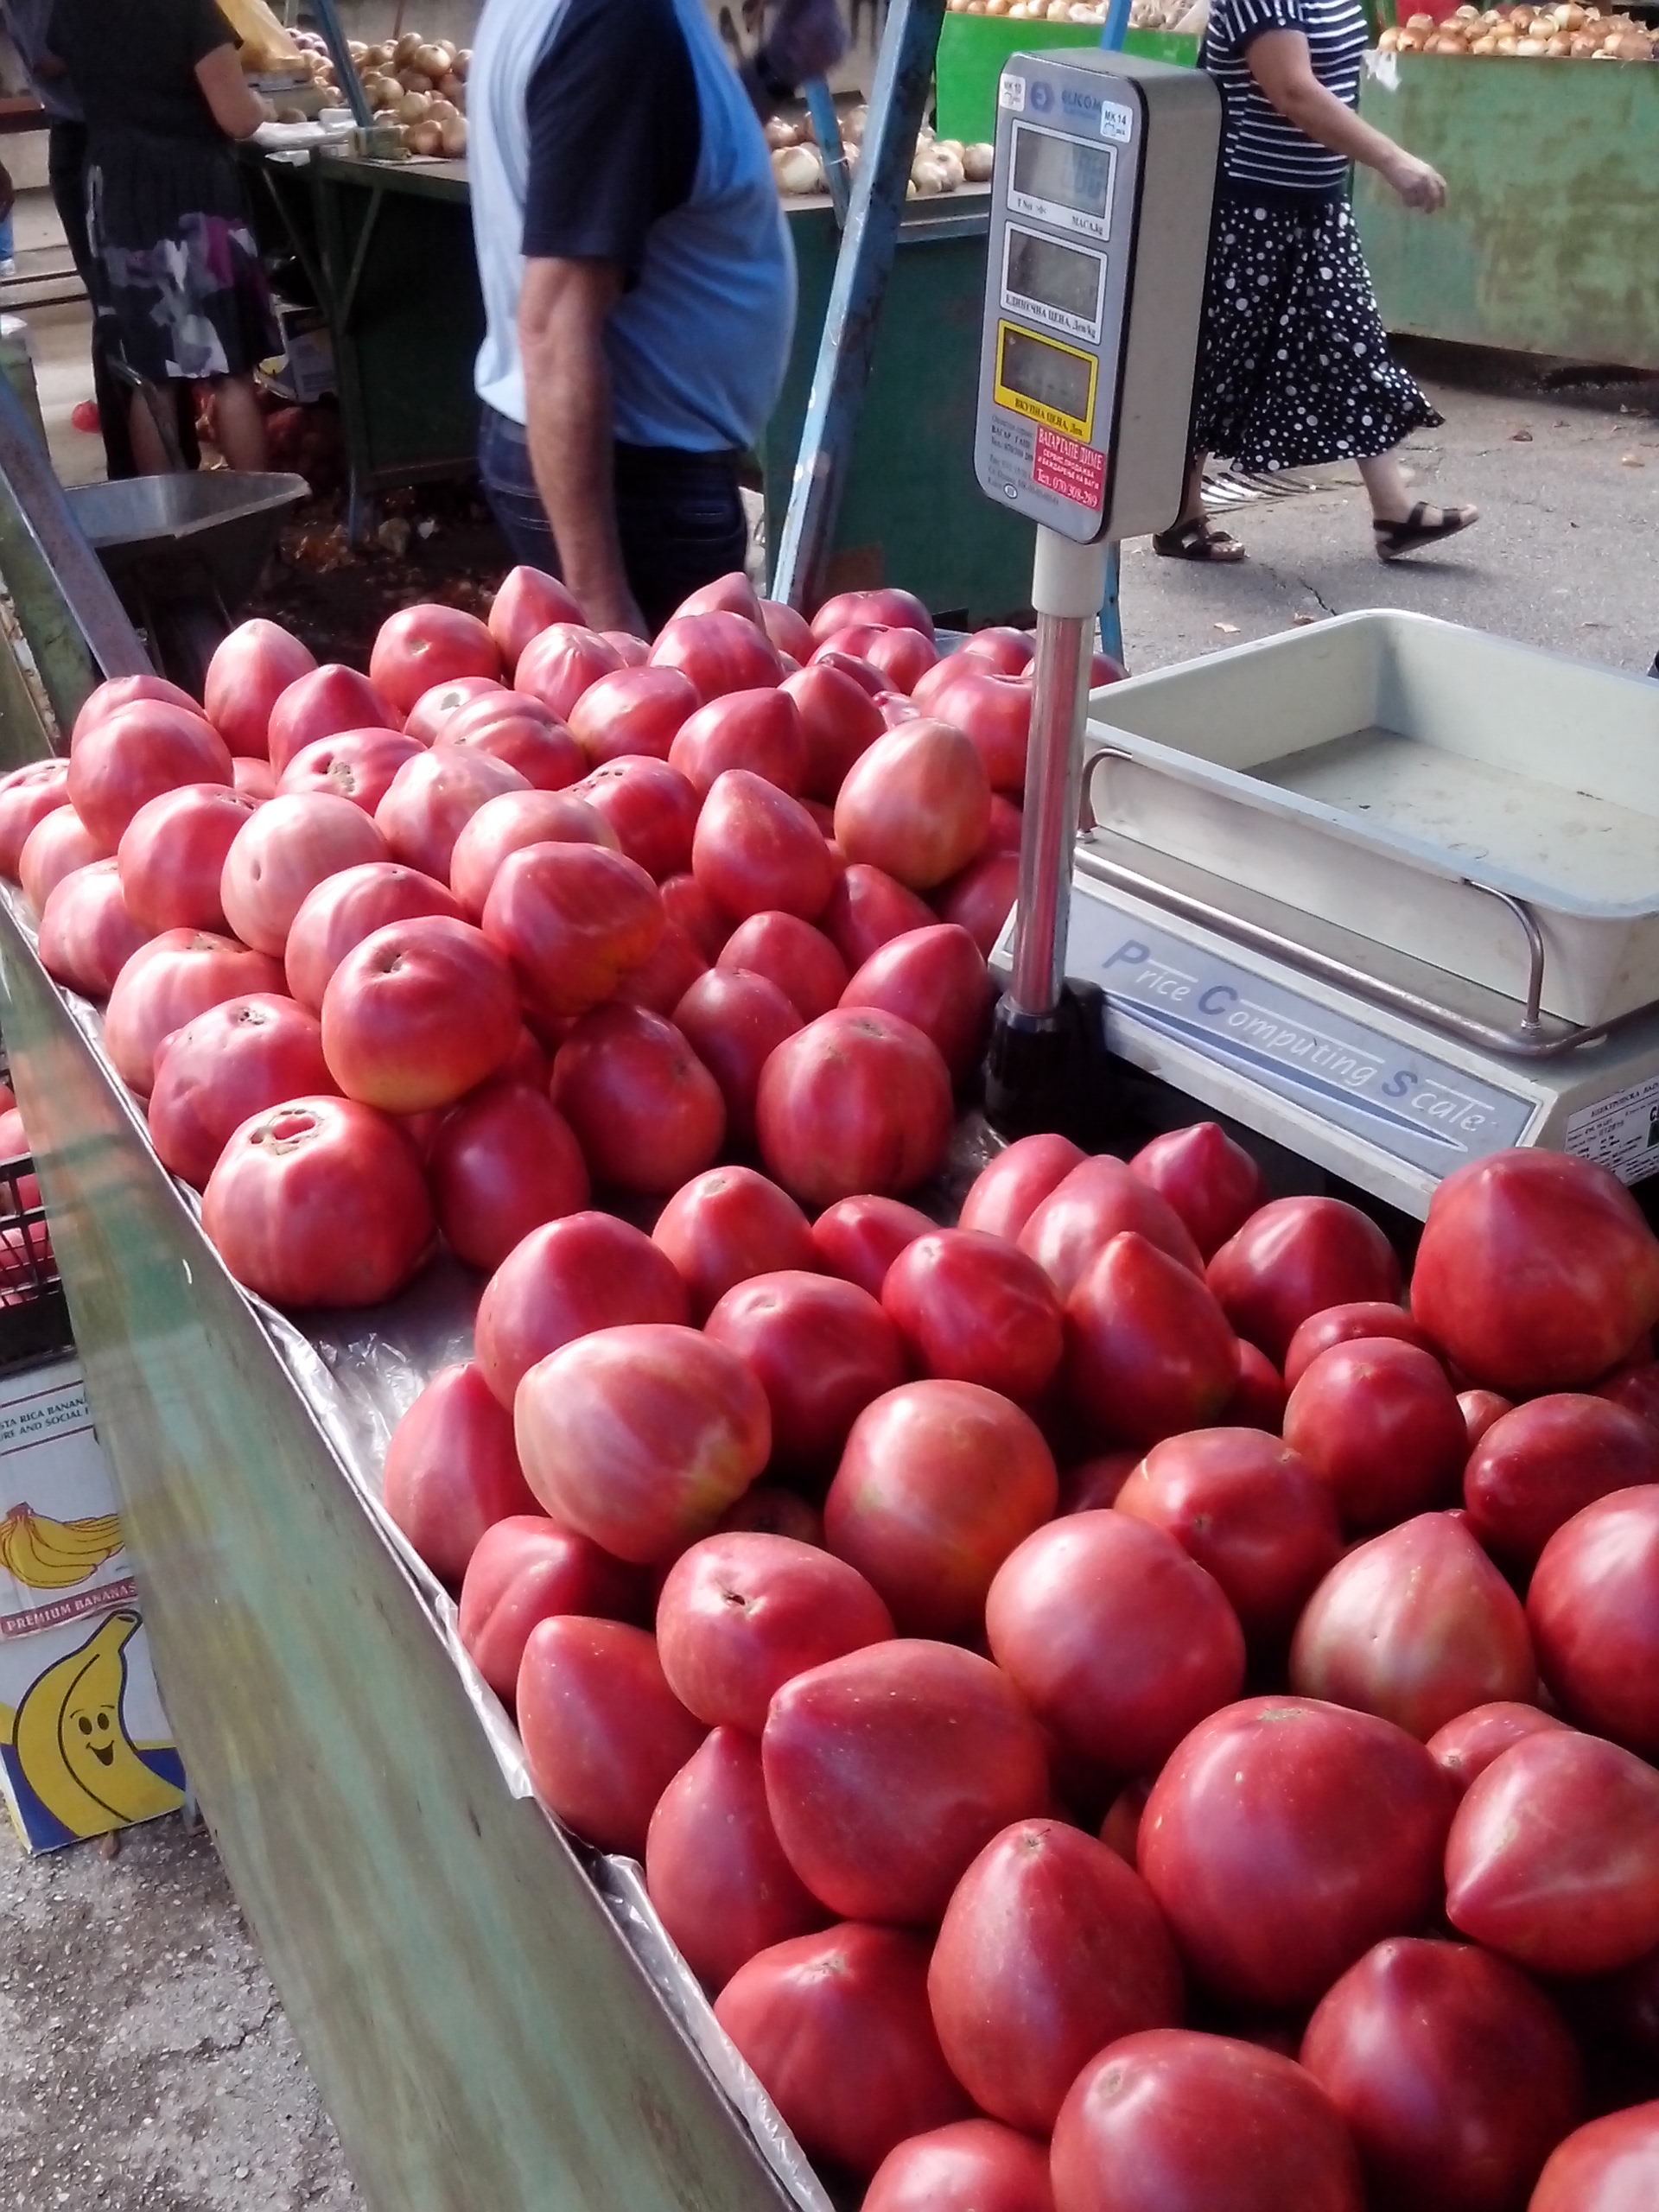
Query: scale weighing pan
x,y
1443,793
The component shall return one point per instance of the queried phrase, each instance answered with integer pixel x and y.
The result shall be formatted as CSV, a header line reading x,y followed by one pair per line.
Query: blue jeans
x,y
679,515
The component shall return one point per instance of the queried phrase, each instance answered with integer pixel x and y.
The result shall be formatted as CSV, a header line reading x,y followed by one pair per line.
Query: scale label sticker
x,y
1011,92
1408,1104
1621,1132
1076,472
1117,122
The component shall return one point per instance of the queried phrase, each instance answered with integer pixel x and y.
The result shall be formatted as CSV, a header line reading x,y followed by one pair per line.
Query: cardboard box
x,y
305,369
62,1554
85,1746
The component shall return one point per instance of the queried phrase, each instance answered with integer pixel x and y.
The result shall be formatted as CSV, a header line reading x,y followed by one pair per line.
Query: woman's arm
x,y
1280,64
237,109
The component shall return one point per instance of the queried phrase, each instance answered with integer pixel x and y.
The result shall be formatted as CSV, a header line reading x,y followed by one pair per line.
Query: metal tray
x,y
1415,782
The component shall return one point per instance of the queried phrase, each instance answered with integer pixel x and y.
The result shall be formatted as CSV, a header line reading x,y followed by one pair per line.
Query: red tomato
x,y
632,711
1417,1625
714,1869
283,851
545,753
435,705
1050,1949
1553,1856
561,662
604,1736
822,1350
973,2165
452,1472
789,630
319,1202
502,1164
647,1112
757,851
529,601
257,779
917,803
982,898
1377,1422
938,1482
1008,1189
742,1613
1535,1271
1066,1231
860,1238
1094,1484
509,823
903,656
1148,1352
27,795
322,705
61,842
1174,2121
172,856
694,912
1007,825
787,951
732,593
430,800
884,605
1344,1324
1294,1257
1118,1641
1465,1747
936,979
572,919
249,672
524,1568
995,711
868,909
136,755
641,1436
661,980
766,1510
732,1021
756,730
1003,648
357,765
1258,1399
720,652
585,1272
1248,1510
1285,1838
969,1307
346,908
1121,1829
1636,1386
855,1102
1211,1182
418,1014
889,1770
839,721
1594,1609
1610,2165
482,709
240,1057
86,935
837,2026
168,981
726,1225
107,699
1542,1463
634,652
651,808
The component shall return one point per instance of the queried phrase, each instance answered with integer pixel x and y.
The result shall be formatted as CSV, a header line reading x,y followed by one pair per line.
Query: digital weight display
x,y
1051,384
1064,181
1049,282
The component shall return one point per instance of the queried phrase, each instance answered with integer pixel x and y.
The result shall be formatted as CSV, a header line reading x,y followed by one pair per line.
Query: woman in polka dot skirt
x,y
1294,370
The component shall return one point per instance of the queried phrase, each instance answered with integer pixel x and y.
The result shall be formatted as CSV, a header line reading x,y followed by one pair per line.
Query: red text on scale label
x,y
1066,466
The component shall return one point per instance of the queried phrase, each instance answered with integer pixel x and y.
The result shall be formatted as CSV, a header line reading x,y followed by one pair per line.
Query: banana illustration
x,y
46,1555
70,1739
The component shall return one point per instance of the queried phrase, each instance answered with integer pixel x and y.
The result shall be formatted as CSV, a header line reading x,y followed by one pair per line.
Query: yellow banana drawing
x,y
70,1739
46,1555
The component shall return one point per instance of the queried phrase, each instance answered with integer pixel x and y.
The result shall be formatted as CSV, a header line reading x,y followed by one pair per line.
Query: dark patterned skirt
x,y
180,292
1294,369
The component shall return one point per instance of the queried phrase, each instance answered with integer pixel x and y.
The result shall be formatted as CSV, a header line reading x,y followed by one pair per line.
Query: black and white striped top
x,y
1259,146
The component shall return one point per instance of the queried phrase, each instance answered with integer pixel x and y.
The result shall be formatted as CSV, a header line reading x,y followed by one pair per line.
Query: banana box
x,y
62,1555
85,1746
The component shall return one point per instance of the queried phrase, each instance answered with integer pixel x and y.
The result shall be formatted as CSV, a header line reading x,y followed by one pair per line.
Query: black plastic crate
x,y
34,1317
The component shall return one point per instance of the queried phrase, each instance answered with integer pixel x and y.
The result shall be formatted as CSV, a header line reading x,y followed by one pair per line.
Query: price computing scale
x,y
1382,890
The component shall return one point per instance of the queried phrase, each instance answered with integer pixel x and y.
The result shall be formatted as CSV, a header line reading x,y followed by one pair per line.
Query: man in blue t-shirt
x,y
638,285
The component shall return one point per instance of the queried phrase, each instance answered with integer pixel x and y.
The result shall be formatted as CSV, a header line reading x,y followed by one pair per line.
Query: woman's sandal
x,y
1198,539
1393,538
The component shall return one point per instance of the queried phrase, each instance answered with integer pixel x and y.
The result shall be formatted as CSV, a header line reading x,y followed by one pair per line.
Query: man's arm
x,y
568,393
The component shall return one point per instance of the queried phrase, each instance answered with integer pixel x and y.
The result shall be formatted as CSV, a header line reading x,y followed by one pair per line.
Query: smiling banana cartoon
x,y
69,1739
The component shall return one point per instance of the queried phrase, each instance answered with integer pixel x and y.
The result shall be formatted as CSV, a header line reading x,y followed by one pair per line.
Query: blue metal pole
x,y
904,75
826,128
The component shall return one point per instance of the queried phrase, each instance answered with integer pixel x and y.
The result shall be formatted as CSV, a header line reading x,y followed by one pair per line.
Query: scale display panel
x,y
1050,383
1064,181
1060,286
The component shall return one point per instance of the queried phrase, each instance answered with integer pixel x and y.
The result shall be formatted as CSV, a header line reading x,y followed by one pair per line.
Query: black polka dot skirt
x,y
1295,368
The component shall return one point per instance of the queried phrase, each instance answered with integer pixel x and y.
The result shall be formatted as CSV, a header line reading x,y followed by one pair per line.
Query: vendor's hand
x,y
614,607
806,40
1417,184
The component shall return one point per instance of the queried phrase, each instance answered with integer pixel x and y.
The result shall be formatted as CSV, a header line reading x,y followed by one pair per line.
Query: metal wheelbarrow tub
x,y
169,537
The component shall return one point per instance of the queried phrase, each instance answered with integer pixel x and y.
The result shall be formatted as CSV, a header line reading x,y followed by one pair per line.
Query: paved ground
x,y
145,2065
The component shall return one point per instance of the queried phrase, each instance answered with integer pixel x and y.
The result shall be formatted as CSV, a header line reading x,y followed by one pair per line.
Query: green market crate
x,y
973,50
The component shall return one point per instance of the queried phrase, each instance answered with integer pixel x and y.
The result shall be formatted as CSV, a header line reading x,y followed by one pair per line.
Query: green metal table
x,y
1546,241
